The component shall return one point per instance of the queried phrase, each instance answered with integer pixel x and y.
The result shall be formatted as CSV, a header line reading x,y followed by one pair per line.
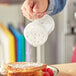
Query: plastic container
x,y
37,32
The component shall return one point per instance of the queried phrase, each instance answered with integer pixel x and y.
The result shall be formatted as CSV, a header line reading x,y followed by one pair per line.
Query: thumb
x,y
36,8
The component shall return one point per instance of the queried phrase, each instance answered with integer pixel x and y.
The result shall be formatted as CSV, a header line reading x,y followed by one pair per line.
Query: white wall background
x,y
11,13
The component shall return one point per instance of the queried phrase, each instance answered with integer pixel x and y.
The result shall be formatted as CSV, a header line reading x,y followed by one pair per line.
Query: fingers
x,y
36,8
25,14
40,6
26,9
39,15
31,10
28,4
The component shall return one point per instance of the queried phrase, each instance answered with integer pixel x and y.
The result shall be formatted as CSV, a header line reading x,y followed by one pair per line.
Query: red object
x,y
74,56
48,71
44,70
46,74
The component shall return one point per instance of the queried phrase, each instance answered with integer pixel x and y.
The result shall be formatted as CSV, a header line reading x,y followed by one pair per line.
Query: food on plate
x,y
28,69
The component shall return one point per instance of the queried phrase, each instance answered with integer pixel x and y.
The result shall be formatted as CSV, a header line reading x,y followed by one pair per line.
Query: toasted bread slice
x,y
24,69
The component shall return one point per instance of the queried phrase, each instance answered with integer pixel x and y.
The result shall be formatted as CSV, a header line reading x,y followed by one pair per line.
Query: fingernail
x,y
36,8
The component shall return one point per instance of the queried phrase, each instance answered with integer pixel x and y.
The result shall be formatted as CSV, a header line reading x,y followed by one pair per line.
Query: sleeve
x,y
55,6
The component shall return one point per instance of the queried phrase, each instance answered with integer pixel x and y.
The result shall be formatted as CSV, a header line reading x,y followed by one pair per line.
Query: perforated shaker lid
x,y
36,32
35,35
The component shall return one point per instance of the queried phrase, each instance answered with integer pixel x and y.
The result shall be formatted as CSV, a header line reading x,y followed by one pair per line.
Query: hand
x,y
33,9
